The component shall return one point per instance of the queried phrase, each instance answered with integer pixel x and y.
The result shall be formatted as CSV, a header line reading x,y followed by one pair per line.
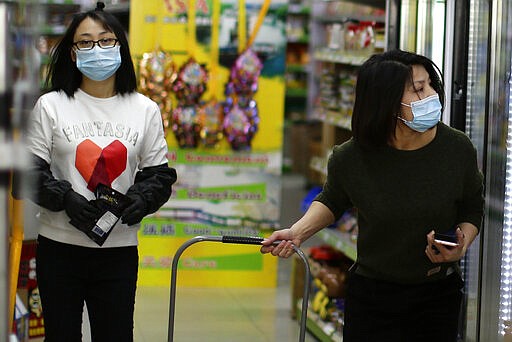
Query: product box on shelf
x,y
21,320
28,289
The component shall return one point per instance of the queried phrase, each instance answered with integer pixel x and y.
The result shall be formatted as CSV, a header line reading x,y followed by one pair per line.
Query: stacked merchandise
x,y
329,269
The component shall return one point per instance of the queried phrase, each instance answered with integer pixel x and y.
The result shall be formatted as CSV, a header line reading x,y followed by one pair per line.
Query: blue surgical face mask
x,y
98,64
426,113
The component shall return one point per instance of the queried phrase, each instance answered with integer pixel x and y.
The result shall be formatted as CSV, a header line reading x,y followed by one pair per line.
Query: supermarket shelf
x,y
298,40
353,18
60,2
297,68
296,92
323,331
339,240
325,54
299,9
374,3
336,118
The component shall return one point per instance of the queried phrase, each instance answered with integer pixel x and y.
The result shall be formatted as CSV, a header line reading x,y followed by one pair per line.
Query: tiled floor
x,y
218,314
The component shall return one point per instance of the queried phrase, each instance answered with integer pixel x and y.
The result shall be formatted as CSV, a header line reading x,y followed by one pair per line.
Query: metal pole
x,y
4,167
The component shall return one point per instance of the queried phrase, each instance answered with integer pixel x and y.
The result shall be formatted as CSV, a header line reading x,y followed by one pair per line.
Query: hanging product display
x,y
211,111
243,80
191,82
240,124
185,126
210,121
188,89
157,72
241,120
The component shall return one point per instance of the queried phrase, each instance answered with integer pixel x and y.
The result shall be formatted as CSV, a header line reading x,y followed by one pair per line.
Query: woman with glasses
x,y
409,176
90,132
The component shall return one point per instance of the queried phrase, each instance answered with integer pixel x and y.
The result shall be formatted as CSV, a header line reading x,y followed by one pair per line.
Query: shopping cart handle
x,y
245,240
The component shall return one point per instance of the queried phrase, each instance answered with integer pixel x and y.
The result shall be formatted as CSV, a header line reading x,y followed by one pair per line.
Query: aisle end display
x,y
220,67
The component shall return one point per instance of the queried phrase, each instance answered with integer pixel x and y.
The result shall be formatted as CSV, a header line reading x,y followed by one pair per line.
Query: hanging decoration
x,y
211,116
211,111
188,89
241,112
194,121
157,73
191,82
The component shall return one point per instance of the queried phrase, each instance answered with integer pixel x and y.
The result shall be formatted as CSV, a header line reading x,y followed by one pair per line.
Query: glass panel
x,y
408,11
476,107
495,270
422,28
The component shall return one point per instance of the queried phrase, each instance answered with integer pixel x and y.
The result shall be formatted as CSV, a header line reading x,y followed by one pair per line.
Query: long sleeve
x,y
154,184
47,191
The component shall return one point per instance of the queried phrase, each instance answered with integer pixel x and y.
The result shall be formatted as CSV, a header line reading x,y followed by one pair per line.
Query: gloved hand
x,y
136,211
79,209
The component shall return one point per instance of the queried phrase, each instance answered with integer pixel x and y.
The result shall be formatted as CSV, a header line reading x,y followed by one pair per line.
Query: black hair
x,y
62,71
381,82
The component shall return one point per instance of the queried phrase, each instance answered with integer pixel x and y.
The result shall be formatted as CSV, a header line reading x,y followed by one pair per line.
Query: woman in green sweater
x,y
409,176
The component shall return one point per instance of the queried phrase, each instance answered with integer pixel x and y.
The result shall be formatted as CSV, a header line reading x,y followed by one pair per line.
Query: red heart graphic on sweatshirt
x,y
97,165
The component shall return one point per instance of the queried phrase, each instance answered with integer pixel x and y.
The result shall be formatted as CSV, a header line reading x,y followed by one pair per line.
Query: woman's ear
x,y
73,55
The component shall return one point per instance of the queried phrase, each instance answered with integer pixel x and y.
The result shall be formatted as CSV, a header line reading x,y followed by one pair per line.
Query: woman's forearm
x,y
317,217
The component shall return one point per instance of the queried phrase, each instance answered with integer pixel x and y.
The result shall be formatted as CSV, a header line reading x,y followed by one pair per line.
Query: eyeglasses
x,y
104,43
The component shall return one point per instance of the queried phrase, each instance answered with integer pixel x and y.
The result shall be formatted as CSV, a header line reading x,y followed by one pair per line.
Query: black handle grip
x,y
245,240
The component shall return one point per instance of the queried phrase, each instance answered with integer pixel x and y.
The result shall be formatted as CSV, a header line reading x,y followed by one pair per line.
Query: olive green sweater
x,y
400,197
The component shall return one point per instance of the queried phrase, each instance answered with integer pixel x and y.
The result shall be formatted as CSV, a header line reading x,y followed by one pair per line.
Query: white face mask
x,y
98,64
426,113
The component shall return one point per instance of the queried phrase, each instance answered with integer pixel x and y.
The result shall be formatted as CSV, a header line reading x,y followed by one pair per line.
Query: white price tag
x,y
105,223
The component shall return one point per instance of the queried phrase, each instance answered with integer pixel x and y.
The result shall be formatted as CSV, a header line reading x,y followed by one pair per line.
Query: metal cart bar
x,y
248,240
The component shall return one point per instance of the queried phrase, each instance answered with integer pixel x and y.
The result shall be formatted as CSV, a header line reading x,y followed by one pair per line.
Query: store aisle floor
x,y
227,314
217,314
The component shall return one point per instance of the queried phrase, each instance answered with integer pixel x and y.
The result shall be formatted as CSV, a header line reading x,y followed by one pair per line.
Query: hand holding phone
x,y
446,240
448,247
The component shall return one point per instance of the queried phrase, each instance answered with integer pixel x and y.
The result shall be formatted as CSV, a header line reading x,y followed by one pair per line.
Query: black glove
x,y
136,211
80,210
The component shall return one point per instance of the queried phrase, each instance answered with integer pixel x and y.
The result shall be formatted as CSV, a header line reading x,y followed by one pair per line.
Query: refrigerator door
x,y
425,29
470,107
496,272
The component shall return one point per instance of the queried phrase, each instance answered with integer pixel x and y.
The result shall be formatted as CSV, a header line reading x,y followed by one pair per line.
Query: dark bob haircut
x,y
381,82
62,71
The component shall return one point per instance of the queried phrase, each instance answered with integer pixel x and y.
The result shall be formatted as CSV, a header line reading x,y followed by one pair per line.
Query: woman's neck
x,y
103,89
409,140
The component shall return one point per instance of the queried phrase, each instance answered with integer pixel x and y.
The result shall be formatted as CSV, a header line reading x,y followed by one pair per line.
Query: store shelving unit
x,y
297,58
323,331
296,78
343,35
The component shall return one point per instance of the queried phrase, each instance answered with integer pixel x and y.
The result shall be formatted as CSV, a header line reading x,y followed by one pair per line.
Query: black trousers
x,y
381,311
104,278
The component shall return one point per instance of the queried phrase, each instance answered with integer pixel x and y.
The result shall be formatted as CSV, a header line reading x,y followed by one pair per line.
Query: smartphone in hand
x,y
449,241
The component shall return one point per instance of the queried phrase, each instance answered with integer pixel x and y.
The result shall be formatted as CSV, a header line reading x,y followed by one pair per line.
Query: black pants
x,y
383,311
104,278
